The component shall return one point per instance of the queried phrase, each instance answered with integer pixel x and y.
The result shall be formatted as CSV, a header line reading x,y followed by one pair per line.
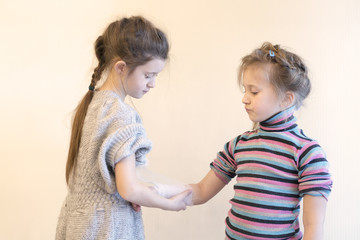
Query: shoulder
x,y
246,136
309,149
312,149
303,140
239,140
110,108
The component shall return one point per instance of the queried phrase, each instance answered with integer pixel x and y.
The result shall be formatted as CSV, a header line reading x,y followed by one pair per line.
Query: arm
x,y
207,188
313,217
133,191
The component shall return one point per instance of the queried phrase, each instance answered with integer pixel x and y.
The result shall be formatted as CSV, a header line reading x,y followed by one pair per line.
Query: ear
x,y
288,100
120,67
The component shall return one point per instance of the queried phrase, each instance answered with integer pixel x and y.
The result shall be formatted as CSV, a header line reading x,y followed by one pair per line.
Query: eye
x,y
254,92
150,75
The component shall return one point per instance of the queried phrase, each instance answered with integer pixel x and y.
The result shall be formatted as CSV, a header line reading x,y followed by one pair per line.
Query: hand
x,y
136,207
179,201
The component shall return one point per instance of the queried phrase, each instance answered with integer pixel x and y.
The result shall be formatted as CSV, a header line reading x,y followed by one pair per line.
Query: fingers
x,y
185,193
136,207
181,200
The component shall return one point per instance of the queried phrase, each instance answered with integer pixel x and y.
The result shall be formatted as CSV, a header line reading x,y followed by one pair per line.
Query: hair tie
x,y
91,88
271,53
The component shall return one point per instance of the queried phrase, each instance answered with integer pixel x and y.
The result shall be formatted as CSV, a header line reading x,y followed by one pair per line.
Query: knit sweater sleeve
x,y
314,176
126,136
225,165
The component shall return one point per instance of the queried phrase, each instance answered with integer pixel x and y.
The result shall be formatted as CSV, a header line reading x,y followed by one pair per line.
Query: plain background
x,y
46,61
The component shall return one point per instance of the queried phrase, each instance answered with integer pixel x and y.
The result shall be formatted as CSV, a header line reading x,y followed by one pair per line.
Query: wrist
x,y
313,232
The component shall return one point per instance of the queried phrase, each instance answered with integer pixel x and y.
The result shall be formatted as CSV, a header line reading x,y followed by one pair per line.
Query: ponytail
x,y
76,130
81,111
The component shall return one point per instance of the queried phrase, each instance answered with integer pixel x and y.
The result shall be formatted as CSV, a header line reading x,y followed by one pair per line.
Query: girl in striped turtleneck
x,y
276,165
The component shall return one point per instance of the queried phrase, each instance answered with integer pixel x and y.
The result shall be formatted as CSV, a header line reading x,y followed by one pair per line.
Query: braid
x,y
100,54
100,49
96,76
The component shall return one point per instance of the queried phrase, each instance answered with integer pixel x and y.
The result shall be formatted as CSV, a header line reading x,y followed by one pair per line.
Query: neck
x,y
113,83
282,121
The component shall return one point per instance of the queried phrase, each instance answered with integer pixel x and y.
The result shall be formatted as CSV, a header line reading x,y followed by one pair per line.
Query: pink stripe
x,y
313,172
227,159
328,181
311,157
306,147
230,148
264,167
262,225
285,116
267,181
222,178
256,209
272,128
244,236
273,197
259,153
304,187
277,143
278,128
298,139
218,164
259,238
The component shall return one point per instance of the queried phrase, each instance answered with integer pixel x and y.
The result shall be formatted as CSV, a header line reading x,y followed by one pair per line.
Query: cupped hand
x,y
179,201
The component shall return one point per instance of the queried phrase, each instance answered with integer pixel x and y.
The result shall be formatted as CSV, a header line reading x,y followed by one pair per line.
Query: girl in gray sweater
x,y
108,140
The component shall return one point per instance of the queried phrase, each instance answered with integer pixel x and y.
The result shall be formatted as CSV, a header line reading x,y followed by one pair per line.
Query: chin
x,y
137,96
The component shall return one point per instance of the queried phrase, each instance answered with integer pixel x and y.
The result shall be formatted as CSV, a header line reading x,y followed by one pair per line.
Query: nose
x,y
245,99
151,83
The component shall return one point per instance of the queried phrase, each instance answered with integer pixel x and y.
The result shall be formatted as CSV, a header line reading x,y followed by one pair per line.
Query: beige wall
x,y
46,60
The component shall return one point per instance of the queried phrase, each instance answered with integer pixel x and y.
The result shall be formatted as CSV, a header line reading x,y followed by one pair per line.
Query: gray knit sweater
x,y
93,208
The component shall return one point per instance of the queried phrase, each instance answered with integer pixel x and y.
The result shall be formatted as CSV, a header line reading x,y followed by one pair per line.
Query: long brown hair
x,y
134,40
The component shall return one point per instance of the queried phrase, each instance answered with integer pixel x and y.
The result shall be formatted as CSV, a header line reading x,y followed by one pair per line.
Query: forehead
x,y
256,75
155,65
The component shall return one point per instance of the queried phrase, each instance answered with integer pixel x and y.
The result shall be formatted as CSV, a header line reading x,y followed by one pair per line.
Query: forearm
x,y
206,189
142,195
135,192
197,195
314,232
314,217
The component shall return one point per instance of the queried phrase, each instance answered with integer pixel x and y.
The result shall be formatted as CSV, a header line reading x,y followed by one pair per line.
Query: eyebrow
x,y
250,86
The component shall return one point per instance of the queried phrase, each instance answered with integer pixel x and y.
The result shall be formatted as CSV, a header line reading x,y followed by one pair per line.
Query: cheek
x,y
137,82
263,103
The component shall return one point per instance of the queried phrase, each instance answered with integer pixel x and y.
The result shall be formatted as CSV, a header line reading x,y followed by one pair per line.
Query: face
x,y
142,79
260,99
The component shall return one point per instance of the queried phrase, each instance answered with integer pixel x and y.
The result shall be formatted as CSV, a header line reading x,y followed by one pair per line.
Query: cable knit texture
x,y
93,208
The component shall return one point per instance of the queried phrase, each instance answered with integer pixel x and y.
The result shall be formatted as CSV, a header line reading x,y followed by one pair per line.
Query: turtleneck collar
x,y
281,121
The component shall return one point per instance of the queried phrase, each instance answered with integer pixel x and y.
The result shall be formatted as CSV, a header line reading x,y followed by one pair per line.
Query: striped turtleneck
x,y
274,166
